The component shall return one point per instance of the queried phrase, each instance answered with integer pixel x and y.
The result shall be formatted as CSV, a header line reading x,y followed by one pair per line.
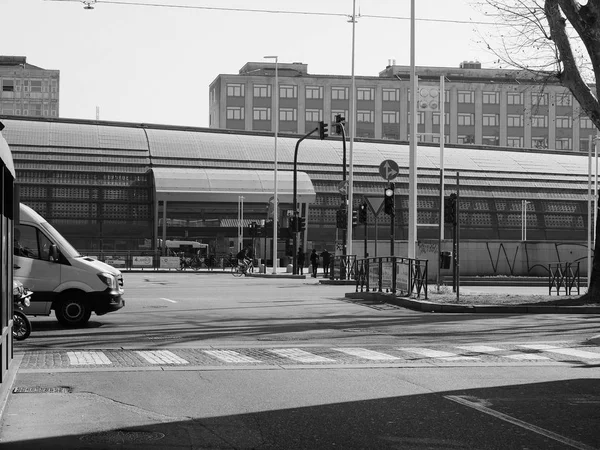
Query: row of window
x,y
393,94
33,85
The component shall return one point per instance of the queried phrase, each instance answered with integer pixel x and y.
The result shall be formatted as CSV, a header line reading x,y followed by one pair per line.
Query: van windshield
x,y
63,245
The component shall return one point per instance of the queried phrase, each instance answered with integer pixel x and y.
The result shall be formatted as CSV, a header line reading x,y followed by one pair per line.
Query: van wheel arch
x,y
71,310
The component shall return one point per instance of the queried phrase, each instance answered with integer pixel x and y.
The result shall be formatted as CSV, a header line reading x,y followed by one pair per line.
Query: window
x,y
420,117
391,116
235,90
335,112
564,99
35,109
436,118
8,85
563,144
514,120
539,142
36,85
539,121
365,94
466,139
539,99
262,90
339,93
490,120
235,113
466,97
391,95
465,119
491,98
365,116
288,114
584,145
585,122
514,98
490,140
261,113
563,121
314,115
288,91
514,141
314,91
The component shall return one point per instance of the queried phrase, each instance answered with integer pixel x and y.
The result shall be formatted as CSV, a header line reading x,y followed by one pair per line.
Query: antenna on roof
x,y
88,4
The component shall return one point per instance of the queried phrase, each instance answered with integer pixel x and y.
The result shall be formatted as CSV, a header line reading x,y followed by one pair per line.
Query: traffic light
x,y
292,223
450,209
322,130
339,123
301,224
389,206
340,219
354,217
362,213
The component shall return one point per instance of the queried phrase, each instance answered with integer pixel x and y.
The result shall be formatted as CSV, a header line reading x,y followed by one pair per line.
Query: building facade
x,y
28,90
497,107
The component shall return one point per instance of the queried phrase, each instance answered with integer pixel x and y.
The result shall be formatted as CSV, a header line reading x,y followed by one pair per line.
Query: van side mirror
x,y
53,253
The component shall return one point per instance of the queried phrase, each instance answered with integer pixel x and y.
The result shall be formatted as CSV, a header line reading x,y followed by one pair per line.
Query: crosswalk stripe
x,y
161,357
231,357
479,348
526,357
563,351
437,354
299,355
88,358
366,354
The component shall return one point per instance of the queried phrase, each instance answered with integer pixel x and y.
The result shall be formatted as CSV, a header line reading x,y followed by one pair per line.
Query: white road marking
x,y
563,351
526,357
299,355
366,354
520,423
231,356
161,357
479,348
437,354
168,300
88,358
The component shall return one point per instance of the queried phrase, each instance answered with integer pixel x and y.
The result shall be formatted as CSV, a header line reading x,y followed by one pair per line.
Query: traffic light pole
x,y
295,201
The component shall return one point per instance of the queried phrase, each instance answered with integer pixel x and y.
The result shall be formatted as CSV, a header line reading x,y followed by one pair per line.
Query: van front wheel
x,y
72,312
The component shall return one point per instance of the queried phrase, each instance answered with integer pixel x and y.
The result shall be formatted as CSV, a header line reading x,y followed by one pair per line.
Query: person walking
x,y
300,260
314,262
326,258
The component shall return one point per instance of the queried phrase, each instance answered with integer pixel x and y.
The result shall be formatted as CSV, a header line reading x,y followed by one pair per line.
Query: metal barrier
x,y
154,260
563,274
392,274
343,267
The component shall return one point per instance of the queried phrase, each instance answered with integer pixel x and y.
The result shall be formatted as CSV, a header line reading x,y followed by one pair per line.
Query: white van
x,y
61,279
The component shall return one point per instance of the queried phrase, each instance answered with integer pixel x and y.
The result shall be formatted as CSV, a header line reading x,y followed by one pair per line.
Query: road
x,y
212,361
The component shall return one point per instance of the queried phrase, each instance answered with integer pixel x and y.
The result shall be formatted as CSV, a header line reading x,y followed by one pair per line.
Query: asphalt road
x,y
201,361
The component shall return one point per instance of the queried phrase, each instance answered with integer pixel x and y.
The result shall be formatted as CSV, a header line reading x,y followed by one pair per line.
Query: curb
x,y
426,306
7,384
594,340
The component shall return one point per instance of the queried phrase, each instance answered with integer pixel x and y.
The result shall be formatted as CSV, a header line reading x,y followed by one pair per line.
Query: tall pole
x,y
275,201
589,205
442,194
412,158
352,134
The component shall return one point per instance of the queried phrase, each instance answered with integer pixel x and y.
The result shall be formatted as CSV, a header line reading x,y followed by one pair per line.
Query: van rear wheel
x,y
72,312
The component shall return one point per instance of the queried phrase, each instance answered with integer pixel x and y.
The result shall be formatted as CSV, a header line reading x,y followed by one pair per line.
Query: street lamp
x,y
275,213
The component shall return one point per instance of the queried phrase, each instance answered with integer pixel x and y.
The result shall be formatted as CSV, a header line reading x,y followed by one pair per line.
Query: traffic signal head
x,y
354,217
339,121
450,209
323,130
301,224
340,219
389,206
362,213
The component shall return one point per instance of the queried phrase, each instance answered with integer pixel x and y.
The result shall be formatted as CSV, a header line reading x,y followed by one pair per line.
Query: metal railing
x,y
564,275
397,274
343,267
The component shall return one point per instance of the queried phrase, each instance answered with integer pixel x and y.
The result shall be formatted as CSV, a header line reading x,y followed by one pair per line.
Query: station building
x,y
109,186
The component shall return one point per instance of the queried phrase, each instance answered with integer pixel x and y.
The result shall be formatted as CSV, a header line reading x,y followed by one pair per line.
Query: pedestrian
x,y
326,258
300,260
314,262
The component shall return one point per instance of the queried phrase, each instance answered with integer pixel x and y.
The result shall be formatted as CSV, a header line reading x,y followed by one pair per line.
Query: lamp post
x,y
275,213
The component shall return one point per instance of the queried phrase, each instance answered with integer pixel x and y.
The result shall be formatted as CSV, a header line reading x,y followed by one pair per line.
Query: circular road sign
x,y
388,169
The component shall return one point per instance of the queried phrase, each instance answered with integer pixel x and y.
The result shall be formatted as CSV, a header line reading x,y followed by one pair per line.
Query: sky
x,y
154,64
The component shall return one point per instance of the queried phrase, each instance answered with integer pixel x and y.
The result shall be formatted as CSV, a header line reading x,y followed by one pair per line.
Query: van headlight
x,y
109,279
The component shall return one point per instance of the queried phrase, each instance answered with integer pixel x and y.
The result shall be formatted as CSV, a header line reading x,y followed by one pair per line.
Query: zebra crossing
x,y
313,355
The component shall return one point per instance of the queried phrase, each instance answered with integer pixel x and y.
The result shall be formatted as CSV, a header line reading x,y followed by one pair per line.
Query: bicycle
x,y
242,269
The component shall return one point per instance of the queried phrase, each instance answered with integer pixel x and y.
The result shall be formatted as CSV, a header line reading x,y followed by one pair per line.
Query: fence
x,y
343,268
563,275
393,274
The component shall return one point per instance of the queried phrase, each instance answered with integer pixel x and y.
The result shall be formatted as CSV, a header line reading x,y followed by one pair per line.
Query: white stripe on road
x,y
366,354
563,351
488,349
87,358
161,357
444,356
526,357
479,348
231,356
299,355
168,300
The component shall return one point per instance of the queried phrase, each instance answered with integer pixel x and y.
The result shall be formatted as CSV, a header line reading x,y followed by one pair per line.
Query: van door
x,y
33,267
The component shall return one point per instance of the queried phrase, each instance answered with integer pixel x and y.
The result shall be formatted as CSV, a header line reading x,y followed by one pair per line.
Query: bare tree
x,y
557,38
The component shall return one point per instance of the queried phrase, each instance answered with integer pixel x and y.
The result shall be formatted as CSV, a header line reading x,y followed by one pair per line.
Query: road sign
x,y
343,187
375,203
388,169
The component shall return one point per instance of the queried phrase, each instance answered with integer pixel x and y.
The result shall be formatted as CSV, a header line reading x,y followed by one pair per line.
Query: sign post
x,y
388,170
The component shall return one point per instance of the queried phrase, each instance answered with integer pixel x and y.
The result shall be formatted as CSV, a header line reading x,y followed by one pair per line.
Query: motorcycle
x,y
21,299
